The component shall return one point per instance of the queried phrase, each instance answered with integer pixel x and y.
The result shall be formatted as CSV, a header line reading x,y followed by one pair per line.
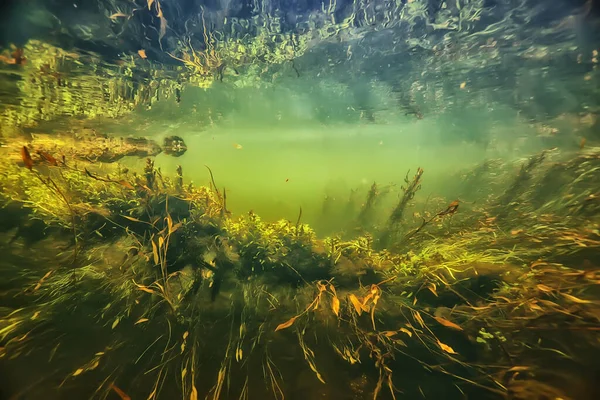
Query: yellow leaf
x,y
419,319
332,289
286,324
432,289
147,290
518,368
155,252
463,85
185,335
132,219
335,306
161,241
356,303
39,284
544,288
141,320
389,333
194,393
142,53
169,223
35,315
114,325
78,372
448,324
117,15
446,348
409,333
175,227
575,299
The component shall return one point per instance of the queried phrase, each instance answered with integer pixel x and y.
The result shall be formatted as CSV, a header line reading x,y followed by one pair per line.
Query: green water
x,y
273,154
477,280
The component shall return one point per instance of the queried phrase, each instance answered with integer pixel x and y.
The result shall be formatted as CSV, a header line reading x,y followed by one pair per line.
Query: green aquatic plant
x,y
284,293
390,232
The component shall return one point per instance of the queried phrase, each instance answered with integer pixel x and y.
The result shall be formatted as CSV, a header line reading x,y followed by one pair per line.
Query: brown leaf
x,y
448,324
26,157
446,348
119,392
286,324
126,184
163,27
335,306
48,158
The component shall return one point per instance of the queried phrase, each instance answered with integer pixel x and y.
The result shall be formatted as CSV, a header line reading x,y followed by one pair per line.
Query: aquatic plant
x,y
150,248
390,232
48,89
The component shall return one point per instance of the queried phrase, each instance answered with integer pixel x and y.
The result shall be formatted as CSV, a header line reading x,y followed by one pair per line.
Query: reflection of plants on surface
x,y
203,63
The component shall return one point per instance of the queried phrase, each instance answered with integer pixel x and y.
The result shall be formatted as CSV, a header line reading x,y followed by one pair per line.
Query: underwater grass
x,y
171,296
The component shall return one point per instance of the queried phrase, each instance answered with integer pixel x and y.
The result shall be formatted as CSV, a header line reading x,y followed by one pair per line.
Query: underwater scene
x,y
300,199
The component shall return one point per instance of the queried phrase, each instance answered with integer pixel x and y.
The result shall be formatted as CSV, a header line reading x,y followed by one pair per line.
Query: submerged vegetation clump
x,y
145,267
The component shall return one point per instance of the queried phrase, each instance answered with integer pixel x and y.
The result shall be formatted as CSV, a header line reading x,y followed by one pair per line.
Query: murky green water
x,y
370,200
